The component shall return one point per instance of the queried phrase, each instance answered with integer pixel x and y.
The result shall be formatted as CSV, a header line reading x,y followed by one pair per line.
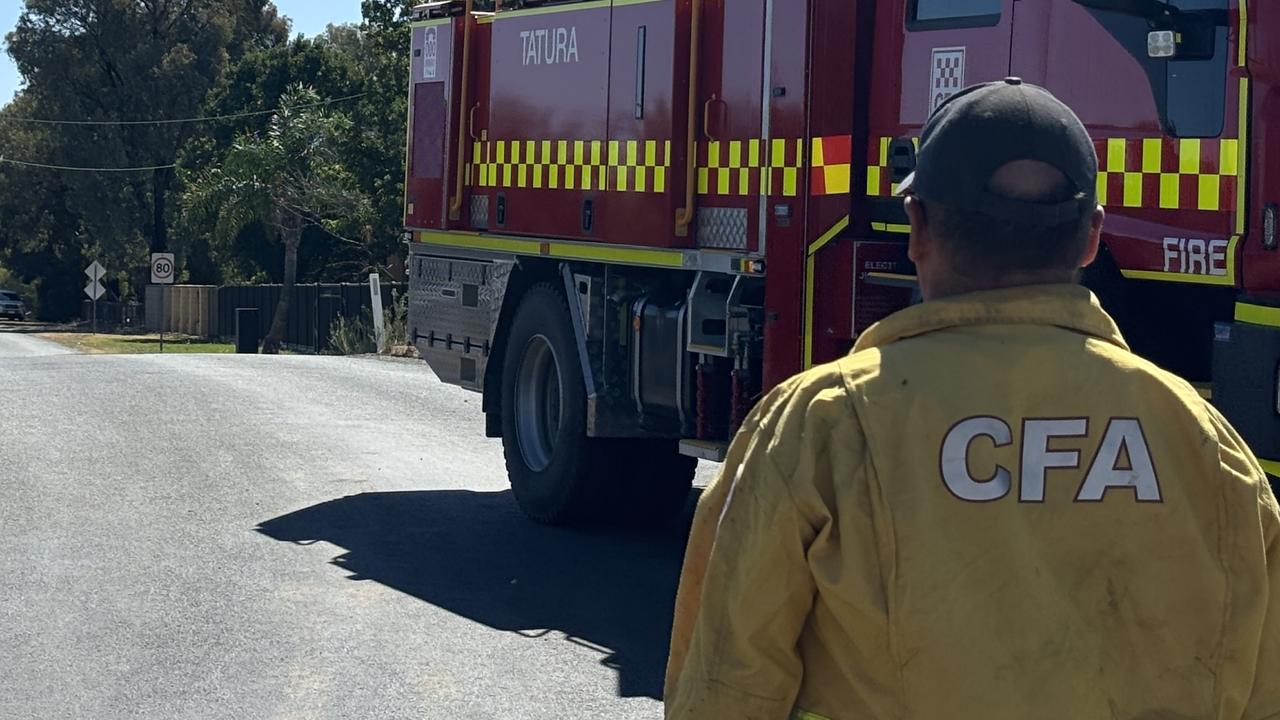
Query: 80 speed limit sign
x,y
162,269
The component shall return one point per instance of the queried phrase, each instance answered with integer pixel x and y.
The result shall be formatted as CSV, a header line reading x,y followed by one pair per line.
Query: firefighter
x,y
991,508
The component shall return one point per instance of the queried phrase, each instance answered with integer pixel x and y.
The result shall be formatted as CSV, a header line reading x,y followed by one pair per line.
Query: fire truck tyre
x,y
549,457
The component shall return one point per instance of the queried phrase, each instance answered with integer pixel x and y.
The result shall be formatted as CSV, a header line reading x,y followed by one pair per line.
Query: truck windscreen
x,y
1197,86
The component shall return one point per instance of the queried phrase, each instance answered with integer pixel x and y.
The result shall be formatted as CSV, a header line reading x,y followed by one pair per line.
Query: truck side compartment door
x,y
548,127
732,154
648,116
432,123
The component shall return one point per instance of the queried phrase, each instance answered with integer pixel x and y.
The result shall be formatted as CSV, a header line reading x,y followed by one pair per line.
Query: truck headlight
x,y
1162,44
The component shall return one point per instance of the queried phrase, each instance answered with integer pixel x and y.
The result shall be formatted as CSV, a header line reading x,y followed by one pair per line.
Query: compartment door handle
x,y
715,101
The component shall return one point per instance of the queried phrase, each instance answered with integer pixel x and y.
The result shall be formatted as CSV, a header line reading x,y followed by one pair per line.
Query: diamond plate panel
x,y
480,211
722,228
453,312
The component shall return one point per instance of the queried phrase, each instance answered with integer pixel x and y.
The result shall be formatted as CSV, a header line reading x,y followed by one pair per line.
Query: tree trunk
x,y
292,238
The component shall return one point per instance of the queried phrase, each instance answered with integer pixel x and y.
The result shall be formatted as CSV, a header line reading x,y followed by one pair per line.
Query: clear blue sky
x,y
309,18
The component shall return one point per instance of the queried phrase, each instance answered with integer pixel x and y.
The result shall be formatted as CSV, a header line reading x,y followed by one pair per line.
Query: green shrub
x,y
396,321
352,336
356,336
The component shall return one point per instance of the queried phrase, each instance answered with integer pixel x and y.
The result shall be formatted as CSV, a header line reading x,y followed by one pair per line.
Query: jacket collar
x,y
1066,306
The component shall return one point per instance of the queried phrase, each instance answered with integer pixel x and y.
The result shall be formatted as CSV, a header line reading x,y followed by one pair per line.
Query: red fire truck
x,y
629,218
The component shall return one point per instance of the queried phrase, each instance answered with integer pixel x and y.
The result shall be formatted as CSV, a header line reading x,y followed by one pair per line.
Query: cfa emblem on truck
x,y
552,46
1193,256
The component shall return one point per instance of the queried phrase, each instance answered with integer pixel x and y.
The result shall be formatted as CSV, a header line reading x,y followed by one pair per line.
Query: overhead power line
x,y
149,168
86,169
178,121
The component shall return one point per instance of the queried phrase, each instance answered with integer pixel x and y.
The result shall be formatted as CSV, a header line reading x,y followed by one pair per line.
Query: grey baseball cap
x,y
984,127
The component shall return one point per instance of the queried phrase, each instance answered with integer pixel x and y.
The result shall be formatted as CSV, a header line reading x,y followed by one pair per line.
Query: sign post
x,y
375,294
163,270
95,289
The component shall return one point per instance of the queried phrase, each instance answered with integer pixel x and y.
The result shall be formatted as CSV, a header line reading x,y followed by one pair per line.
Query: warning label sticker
x,y
430,50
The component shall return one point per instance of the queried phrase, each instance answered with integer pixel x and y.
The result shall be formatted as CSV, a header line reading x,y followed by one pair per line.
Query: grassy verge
x,y
135,344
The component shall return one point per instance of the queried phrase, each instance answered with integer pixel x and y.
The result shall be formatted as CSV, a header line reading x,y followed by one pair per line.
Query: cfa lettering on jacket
x,y
1120,461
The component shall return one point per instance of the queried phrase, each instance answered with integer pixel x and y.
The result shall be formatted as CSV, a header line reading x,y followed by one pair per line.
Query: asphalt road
x,y
297,537
13,346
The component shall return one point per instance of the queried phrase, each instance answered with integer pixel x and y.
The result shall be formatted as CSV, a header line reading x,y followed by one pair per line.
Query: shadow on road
x,y
474,554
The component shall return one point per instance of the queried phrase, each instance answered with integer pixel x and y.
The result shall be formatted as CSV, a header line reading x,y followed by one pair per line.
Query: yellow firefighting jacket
x,y
991,509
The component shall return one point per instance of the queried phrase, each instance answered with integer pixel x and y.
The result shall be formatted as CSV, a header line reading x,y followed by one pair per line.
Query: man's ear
x,y
1095,237
920,242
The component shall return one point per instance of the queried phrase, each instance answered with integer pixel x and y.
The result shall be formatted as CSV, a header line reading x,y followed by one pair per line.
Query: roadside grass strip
x,y
102,344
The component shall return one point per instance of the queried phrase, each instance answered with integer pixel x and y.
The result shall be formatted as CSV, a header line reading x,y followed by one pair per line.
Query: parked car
x,y
11,306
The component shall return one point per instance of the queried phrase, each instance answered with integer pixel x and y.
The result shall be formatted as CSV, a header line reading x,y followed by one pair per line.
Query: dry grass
x,y
100,344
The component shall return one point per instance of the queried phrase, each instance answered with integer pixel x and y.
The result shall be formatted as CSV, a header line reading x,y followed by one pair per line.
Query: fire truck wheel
x,y
557,473
550,460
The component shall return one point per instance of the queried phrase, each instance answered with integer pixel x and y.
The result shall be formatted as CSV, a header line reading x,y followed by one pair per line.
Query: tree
x,y
106,61
384,111
41,238
288,178
114,62
257,83
367,66
126,60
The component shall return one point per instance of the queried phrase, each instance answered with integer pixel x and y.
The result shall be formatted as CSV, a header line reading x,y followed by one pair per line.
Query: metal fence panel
x,y
114,314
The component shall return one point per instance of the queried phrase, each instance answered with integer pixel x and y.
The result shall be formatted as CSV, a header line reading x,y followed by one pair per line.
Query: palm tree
x,y
289,178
